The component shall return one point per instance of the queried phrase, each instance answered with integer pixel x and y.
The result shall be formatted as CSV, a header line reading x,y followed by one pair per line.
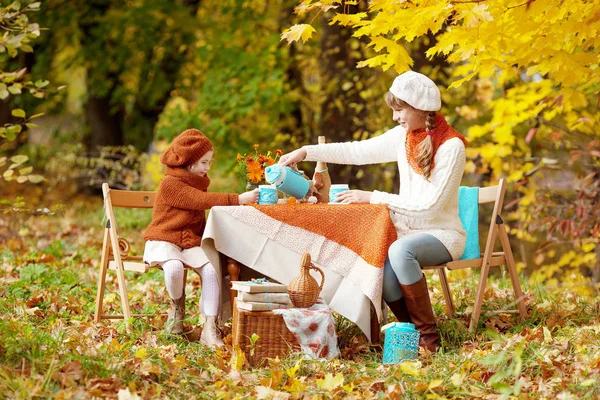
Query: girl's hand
x,y
293,158
354,197
250,197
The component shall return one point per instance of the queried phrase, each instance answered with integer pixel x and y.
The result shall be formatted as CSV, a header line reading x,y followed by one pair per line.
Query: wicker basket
x,y
274,338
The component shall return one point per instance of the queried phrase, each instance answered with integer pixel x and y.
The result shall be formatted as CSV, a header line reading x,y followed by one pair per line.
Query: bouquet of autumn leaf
x,y
252,167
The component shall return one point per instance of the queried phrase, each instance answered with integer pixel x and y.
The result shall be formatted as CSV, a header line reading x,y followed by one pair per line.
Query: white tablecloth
x,y
257,248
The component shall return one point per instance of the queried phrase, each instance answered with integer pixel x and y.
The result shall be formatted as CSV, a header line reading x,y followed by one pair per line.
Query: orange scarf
x,y
441,133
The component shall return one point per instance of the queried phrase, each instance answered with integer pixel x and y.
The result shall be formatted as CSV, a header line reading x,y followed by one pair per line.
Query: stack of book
x,y
261,295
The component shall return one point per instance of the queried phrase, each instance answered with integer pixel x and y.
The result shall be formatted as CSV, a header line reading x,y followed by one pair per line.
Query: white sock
x,y
173,270
210,289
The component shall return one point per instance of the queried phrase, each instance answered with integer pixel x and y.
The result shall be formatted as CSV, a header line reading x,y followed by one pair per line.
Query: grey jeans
x,y
405,257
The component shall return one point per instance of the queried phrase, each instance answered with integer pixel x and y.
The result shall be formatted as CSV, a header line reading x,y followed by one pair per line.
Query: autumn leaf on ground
x,y
330,382
125,394
297,32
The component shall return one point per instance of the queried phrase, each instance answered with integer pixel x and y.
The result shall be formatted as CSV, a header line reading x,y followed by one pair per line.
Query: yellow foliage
x,y
297,32
330,382
528,69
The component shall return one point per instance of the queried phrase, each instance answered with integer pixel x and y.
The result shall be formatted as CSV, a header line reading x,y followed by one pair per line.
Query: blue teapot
x,y
288,181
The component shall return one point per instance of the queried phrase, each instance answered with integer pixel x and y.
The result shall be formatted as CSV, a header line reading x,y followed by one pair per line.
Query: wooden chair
x,y
489,258
115,249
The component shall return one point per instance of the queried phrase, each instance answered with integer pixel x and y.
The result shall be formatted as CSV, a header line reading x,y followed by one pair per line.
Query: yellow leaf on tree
x,y
347,19
297,32
35,178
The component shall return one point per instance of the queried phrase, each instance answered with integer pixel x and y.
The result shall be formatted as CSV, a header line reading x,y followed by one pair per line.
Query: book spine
x,y
259,288
282,298
251,306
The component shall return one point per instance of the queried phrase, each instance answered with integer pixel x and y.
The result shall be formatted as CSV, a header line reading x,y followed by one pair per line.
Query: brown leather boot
x,y
176,314
399,309
419,308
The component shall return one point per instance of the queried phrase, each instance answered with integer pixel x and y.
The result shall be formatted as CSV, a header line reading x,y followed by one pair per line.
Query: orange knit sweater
x,y
179,214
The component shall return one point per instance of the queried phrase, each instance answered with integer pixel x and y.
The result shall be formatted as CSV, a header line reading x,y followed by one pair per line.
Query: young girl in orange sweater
x,y
174,236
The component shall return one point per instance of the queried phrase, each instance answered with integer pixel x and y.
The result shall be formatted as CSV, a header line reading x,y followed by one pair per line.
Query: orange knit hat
x,y
186,149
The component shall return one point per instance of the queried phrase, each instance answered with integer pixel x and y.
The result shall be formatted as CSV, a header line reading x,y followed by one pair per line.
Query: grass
x,y
51,348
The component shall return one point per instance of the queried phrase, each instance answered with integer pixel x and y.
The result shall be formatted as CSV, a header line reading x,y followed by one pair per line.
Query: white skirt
x,y
156,252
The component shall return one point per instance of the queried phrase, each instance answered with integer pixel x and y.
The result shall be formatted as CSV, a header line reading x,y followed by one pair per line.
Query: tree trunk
x,y
340,121
292,123
105,125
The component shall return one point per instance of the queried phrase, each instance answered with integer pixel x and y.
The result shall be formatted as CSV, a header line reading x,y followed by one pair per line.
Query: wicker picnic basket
x,y
274,338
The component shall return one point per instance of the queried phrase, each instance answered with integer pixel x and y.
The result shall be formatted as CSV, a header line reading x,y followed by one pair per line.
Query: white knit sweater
x,y
422,206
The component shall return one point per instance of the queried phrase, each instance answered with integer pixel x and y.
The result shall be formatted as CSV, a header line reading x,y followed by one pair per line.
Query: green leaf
x,y
17,112
3,94
588,382
19,159
10,135
36,115
502,387
27,48
35,5
22,179
3,161
31,126
14,89
16,5
14,129
8,173
36,178
41,84
26,170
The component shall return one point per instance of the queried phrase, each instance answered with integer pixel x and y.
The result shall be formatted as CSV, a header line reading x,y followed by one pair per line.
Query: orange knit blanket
x,y
366,229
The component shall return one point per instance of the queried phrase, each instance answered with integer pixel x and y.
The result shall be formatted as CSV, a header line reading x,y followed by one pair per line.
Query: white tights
x,y
173,270
210,289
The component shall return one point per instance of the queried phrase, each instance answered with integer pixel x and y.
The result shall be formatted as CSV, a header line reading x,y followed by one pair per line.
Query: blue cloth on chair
x,y
468,212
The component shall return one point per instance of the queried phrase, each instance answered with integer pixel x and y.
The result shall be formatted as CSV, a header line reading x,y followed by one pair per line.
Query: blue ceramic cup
x,y
267,194
334,190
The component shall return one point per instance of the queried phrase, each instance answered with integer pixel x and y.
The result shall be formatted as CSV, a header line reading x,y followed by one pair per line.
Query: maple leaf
x,y
330,382
297,32
347,19
306,6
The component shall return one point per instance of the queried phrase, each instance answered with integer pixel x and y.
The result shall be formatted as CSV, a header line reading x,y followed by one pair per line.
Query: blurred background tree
x,y
518,77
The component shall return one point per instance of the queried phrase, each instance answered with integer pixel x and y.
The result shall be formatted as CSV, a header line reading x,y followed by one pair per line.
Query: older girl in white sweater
x,y
431,160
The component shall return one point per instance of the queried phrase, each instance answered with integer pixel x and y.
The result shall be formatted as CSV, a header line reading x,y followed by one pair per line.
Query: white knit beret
x,y
417,90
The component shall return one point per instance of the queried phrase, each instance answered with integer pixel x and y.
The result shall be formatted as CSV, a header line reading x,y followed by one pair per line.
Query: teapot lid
x,y
273,172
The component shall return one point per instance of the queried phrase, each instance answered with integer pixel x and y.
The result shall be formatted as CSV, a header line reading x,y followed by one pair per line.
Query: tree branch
x,y
527,3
